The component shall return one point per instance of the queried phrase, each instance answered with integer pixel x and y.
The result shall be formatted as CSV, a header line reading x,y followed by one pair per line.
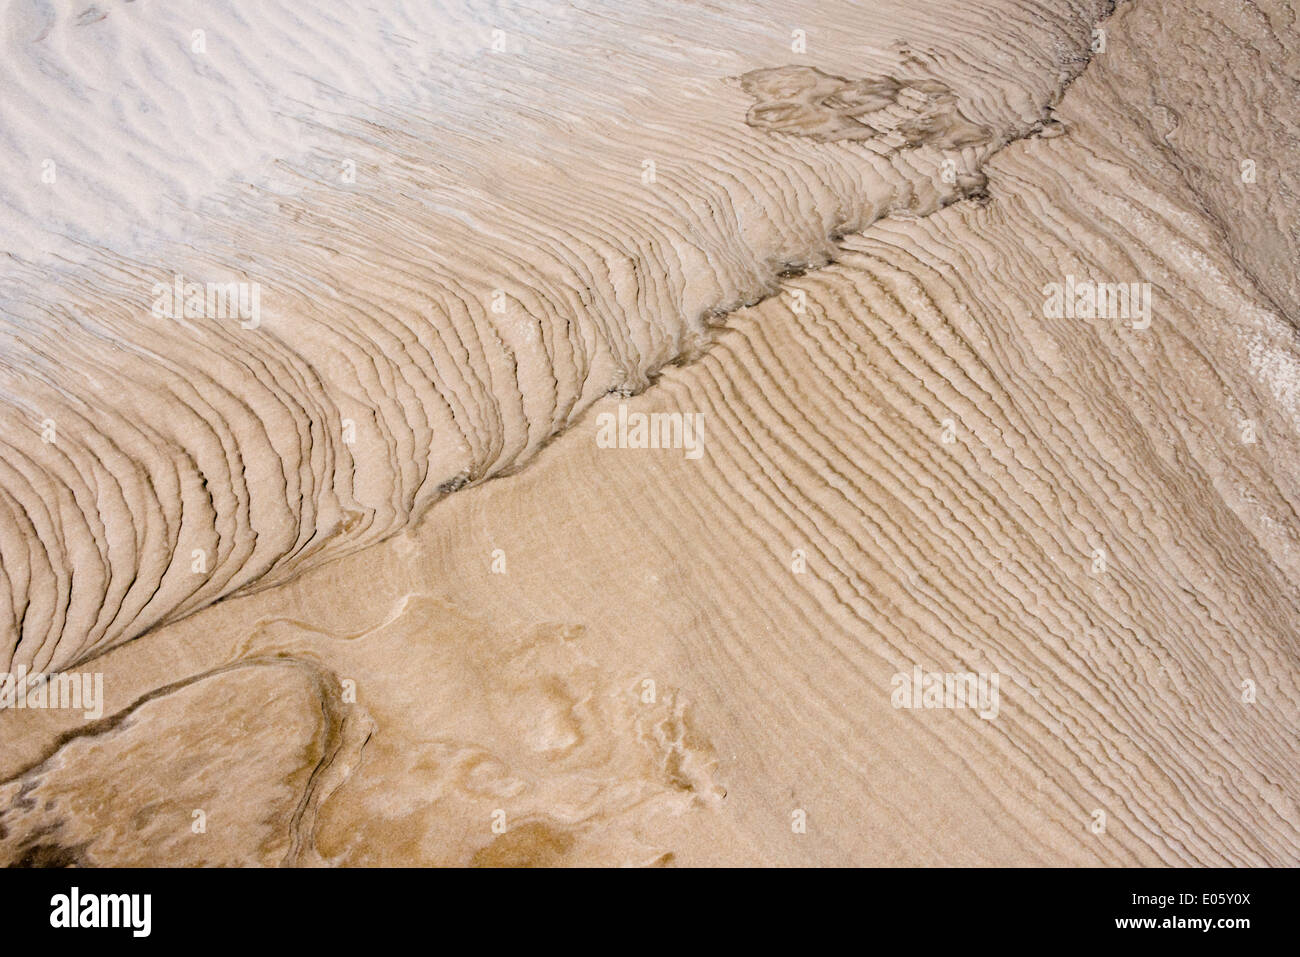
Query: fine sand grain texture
x,y
965,335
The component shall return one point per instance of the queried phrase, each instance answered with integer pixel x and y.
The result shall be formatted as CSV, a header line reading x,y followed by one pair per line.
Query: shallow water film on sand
x,y
668,434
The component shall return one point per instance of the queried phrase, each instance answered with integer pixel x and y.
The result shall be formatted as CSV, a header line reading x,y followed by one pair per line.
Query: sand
x,y
374,570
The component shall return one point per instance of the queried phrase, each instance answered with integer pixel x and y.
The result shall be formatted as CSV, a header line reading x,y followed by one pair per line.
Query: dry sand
x,y
827,237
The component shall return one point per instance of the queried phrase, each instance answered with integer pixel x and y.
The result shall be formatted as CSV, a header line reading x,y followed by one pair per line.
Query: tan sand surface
x,y
366,583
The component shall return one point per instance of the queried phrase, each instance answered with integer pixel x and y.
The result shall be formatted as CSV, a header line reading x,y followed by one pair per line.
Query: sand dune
x,y
971,334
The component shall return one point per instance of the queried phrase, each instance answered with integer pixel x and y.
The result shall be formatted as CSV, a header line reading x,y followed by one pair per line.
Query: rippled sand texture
x,y
629,656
